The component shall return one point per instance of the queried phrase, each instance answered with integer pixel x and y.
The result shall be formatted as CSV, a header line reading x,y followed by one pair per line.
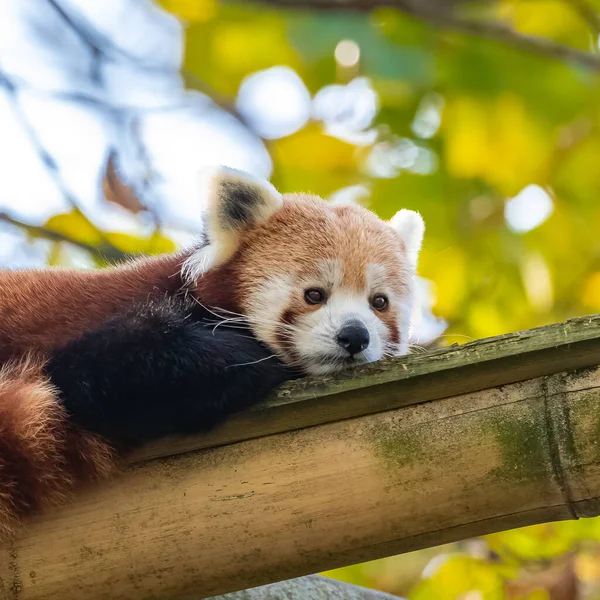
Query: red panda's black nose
x,y
353,337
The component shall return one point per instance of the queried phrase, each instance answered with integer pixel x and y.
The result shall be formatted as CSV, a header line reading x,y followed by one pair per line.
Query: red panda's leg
x,y
161,369
42,456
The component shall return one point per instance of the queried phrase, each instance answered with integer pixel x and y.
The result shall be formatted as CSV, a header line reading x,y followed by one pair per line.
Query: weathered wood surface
x,y
304,500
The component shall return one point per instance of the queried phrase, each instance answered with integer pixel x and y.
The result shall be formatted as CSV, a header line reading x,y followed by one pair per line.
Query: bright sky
x,y
78,108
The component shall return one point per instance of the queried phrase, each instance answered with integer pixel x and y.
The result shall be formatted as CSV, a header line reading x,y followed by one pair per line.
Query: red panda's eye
x,y
314,296
379,302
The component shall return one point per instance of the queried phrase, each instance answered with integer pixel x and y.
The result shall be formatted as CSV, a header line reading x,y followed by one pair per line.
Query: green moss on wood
x,y
398,448
522,438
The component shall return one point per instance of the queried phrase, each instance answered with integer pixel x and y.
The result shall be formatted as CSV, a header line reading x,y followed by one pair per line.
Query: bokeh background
x,y
485,117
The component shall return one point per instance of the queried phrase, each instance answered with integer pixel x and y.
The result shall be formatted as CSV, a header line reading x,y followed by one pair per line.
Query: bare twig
x,y
102,47
108,252
95,73
448,20
589,15
500,32
48,161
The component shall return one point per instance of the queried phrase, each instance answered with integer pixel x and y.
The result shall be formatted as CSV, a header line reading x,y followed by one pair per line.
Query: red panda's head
x,y
323,286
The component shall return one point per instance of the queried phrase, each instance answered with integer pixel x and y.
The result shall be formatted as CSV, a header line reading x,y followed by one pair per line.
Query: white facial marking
x,y
378,280
267,304
204,259
316,335
330,274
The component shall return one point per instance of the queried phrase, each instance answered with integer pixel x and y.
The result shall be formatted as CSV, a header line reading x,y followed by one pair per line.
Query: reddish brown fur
x,y
42,457
47,308
287,318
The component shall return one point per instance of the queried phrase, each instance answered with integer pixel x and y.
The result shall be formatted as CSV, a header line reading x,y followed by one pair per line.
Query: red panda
x,y
93,363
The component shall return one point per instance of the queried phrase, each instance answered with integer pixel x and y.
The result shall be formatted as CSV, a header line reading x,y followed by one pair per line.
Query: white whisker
x,y
254,362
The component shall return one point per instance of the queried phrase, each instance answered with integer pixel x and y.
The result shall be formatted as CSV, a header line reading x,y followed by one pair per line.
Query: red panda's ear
x,y
409,225
236,202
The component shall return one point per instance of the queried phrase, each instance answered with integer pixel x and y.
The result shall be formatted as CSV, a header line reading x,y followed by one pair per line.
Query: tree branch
x,y
442,18
103,47
589,15
107,251
107,248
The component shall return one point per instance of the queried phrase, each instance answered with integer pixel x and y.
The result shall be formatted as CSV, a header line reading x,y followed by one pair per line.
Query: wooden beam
x,y
379,474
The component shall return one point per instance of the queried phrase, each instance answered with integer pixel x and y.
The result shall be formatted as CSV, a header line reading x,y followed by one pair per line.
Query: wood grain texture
x,y
297,502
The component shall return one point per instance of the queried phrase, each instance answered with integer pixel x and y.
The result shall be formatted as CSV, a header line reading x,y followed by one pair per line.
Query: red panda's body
x,y
42,457
46,308
95,362
40,311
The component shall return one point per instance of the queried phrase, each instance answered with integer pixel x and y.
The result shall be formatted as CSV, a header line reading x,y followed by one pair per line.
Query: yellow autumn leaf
x,y
449,271
587,529
579,172
191,11
485,319
155,244
497,141
547,18
536,542
520,148
465,123
590,296
311,149
75,226
241,48
459,575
